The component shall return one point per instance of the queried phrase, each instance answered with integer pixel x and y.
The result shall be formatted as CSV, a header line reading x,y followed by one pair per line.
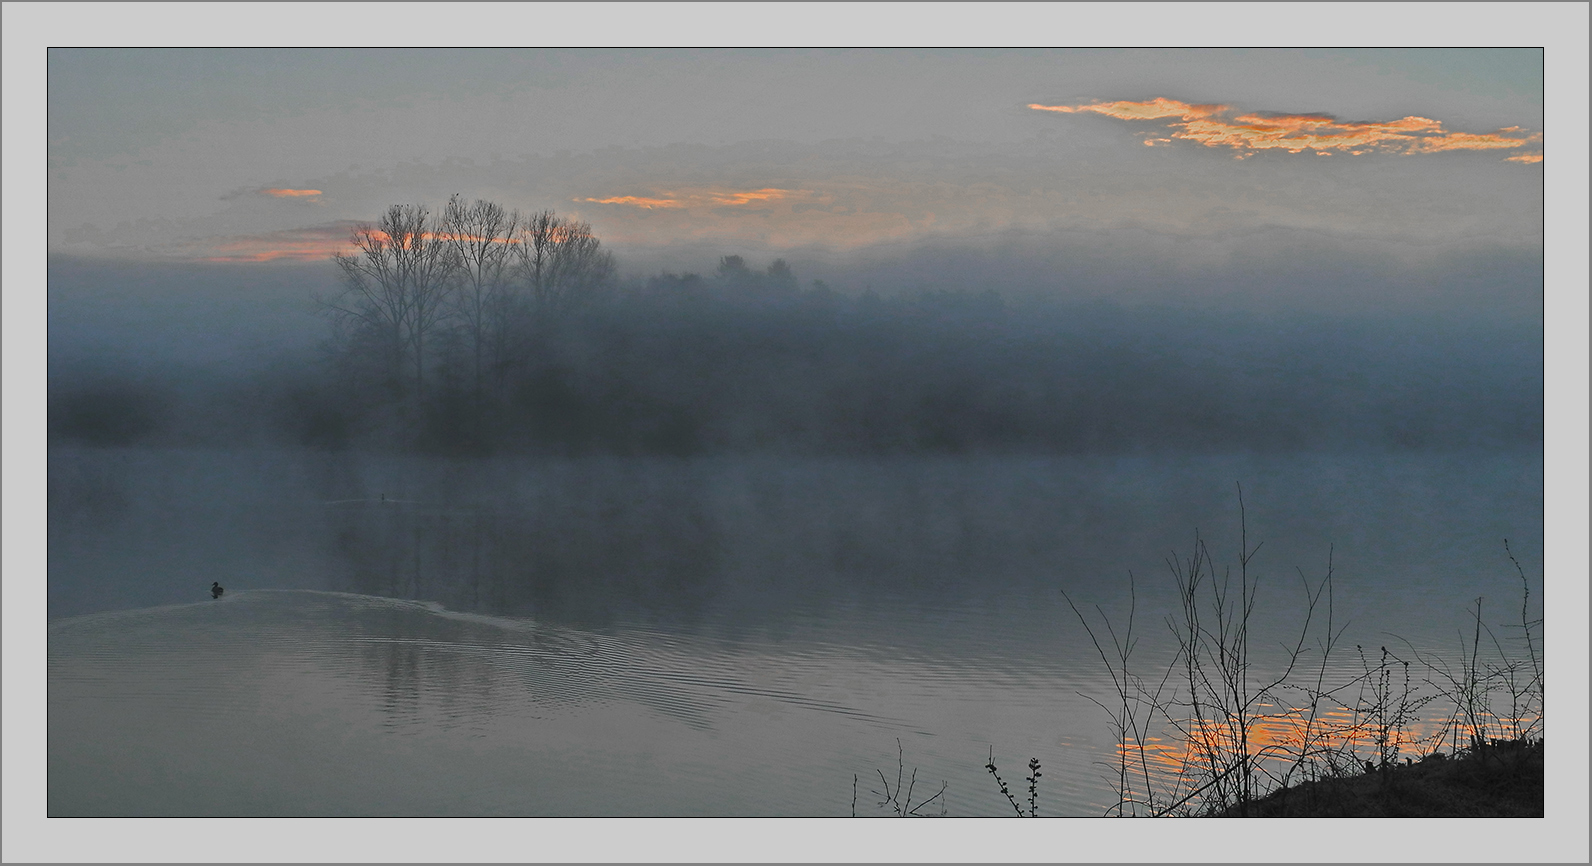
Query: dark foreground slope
x,y
1504,780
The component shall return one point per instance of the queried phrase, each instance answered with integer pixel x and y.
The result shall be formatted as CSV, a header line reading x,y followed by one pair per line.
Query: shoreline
x,y
1503,779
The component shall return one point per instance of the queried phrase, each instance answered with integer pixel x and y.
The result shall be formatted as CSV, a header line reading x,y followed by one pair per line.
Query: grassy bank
x,y
1501,780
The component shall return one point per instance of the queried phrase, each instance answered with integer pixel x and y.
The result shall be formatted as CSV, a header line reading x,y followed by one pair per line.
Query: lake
x,y
725,636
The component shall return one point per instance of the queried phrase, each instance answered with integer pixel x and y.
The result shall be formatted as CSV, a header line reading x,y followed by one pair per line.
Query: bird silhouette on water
x,y
216,590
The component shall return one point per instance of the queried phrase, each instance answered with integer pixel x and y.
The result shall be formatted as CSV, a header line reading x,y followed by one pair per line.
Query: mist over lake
x,y
791,433
731,544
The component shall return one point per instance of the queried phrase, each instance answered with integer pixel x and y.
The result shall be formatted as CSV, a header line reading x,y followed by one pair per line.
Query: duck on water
x,y
216,590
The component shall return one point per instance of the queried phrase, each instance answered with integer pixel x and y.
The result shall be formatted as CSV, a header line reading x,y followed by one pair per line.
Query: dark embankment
x,y
1501,780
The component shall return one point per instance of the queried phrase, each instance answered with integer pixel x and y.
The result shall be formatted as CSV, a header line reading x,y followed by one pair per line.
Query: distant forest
x,y
479,331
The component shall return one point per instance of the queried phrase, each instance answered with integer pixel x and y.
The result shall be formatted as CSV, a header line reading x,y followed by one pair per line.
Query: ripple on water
x,y
315,703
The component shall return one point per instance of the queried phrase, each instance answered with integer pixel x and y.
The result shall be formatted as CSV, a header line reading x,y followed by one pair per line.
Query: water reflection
x,y
721,541
563,541
342,704
730,636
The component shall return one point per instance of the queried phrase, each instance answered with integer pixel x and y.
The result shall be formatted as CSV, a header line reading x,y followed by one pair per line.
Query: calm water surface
x,y
734,637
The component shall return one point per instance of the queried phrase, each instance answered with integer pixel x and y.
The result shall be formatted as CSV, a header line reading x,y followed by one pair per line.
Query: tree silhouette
x,y
479,239
448,315
395,288
561,262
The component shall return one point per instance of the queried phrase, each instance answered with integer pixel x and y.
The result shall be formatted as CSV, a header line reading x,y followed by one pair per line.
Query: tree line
x,y
457,295
479,330
482,331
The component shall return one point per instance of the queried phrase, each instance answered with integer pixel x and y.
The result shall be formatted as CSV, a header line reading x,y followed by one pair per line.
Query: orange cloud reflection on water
x,y
1250,133
1276,742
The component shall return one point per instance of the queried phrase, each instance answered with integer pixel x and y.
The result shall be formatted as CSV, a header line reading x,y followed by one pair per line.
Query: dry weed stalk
x,y
895,799
1033,786
1244,736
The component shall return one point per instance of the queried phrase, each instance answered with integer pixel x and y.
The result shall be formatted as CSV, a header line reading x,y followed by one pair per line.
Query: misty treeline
x,y
482,331
439,314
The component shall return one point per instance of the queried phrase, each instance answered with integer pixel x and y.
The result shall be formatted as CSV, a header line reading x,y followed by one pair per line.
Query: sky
x,y
1251,167
270,154
1340,179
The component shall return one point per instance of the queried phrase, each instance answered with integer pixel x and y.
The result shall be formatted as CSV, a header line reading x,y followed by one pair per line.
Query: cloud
x,y
1155,109
837,196
637,201
310,243
752,196
274,192
1322,134
699,198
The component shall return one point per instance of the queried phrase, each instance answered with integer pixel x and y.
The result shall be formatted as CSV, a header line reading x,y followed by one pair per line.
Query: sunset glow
x,y
306,245
1153,109
698,198
848,182
1252,132
637,201
313,243
1275,741
760,195
242,252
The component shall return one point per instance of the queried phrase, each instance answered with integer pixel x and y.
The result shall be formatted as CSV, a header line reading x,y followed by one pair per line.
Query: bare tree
x,y
395,286
479,240
561,262
466,296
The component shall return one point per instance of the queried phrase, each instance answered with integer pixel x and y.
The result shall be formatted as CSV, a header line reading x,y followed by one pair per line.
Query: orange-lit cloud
x,y
711,197
842,211
1154,109
284,193
445,236
474,238
750,196
1322,134
306,244
637,201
